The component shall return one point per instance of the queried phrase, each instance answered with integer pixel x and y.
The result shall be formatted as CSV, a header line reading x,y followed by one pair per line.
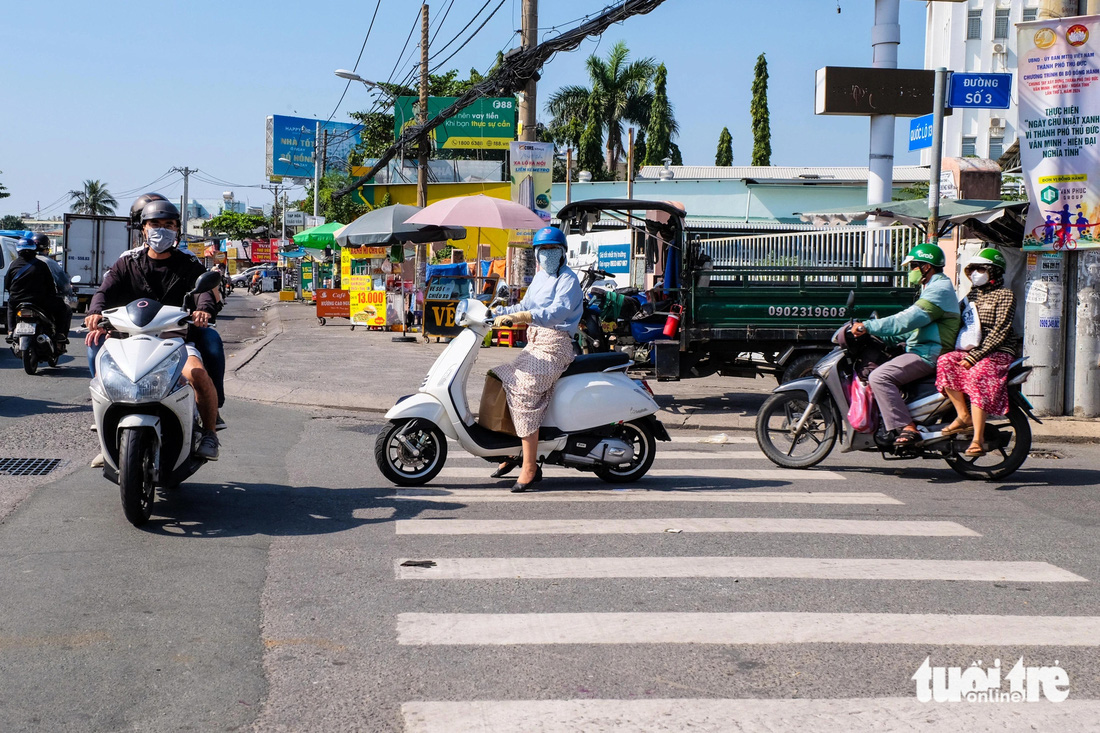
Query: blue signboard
x,y
987,91
613,258
292,138
920,132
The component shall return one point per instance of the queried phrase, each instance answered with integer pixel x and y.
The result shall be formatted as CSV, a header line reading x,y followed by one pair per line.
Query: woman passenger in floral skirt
x,y
981,373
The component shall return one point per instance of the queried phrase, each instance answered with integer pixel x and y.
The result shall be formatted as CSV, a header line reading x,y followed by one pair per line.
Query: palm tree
x,y
620,92
94,199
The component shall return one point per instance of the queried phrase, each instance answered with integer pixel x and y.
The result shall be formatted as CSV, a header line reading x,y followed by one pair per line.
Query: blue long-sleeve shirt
x,y
553,302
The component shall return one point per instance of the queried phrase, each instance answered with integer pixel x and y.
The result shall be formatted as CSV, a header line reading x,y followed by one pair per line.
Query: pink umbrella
x,y
478,211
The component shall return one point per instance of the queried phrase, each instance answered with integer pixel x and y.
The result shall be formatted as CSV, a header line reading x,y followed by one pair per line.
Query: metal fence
x,y
830,247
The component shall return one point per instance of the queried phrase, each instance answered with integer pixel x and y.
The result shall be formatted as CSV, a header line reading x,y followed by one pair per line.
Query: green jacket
x,y
929,327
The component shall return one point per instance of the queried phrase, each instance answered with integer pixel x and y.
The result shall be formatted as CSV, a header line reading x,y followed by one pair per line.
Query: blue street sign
x,y
988,91
920,132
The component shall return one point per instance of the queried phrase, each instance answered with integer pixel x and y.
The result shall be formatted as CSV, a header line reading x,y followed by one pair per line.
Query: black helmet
x,y
139,204
41,242
162,209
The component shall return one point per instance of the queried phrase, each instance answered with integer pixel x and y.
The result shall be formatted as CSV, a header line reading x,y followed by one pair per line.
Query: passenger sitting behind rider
x,y
928,327
981,373
162,273
553,306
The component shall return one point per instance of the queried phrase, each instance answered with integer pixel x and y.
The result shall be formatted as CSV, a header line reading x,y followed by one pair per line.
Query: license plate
x,y
24,329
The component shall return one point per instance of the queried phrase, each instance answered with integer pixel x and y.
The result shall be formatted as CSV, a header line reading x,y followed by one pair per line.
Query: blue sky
x,y
122,91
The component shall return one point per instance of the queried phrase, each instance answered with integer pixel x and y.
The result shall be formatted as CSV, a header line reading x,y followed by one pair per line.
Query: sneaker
x,y
219,424
208,446
98,461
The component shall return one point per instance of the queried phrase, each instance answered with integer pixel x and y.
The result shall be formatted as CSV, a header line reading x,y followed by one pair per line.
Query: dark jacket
x,y
29,281
127,280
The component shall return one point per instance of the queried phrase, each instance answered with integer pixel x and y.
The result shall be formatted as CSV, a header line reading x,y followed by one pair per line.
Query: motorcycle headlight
x,y
153,387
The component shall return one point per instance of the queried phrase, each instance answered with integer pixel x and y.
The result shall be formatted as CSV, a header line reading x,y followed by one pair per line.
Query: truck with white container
x,y
90,245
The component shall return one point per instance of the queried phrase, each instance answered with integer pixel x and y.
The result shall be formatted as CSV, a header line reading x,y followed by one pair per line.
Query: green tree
x,y
590,150
345,209
662,125
724,156
619,93
3,190
11,221
235,225
93,199
761,118
674,153
640,147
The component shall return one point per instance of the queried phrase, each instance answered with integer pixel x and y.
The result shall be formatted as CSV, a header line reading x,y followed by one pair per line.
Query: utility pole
x,y
630,164
318,165
185,171
528,105
885,37
422,113
937,156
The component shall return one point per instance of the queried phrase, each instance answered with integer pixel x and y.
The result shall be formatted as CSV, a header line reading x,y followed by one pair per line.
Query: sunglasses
x,y
978,268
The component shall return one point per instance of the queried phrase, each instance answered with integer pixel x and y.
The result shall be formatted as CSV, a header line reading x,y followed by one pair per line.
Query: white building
x,y
976,36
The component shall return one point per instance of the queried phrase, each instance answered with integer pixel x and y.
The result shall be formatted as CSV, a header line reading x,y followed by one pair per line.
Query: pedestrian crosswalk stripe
x,y
684,475
719,716
494,629
915,528
663,454
645,495
491,568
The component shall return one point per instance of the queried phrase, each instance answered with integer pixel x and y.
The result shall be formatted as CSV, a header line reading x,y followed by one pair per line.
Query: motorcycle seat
x,y
587,363
920,389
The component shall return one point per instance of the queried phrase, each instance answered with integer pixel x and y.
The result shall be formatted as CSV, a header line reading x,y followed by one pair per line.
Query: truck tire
x,y
799,367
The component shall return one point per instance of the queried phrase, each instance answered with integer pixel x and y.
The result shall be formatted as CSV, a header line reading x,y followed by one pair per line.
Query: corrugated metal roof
x,y
711,222
797,174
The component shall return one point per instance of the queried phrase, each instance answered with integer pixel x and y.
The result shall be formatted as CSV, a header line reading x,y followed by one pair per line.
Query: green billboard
x,y
487,124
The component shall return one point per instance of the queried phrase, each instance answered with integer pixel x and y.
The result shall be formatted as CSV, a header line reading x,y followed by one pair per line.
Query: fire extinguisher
x,y
672,324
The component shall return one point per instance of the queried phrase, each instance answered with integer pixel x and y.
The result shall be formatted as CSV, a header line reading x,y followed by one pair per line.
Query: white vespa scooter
x,y
145,410
599,419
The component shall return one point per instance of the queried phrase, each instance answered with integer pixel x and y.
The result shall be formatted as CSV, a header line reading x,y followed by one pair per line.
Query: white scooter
x,y
599,419
145,410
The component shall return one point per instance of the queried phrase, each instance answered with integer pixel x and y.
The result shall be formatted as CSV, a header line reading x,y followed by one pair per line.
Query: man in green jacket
x,y
928,327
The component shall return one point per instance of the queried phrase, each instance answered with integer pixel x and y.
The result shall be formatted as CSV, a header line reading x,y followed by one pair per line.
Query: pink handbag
x,y
861,403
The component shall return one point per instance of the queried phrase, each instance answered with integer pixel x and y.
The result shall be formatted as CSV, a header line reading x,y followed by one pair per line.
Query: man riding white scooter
x,y
162,273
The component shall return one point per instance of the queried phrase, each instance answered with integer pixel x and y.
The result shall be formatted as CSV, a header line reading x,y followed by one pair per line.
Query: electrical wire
x,y
456,35
401,55
441,22
357,60
472,35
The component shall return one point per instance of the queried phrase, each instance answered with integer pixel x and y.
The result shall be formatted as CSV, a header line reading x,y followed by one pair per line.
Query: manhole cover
x,y
28,466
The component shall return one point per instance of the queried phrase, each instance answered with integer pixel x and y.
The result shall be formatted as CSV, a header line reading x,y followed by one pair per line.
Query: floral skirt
x,y
984,383
529,380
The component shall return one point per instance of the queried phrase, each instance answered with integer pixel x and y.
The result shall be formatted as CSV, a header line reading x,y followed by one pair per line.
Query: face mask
x,y
549,259
161,240
979,278
915,276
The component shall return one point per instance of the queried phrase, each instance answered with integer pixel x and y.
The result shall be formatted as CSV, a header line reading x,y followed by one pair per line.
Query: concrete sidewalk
x,y
300,362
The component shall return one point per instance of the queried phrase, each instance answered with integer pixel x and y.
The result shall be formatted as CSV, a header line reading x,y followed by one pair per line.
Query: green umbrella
x,y
318,237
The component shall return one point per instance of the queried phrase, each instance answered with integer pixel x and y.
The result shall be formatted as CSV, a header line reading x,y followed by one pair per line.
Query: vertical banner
x,y
1059,125
368,307
532,174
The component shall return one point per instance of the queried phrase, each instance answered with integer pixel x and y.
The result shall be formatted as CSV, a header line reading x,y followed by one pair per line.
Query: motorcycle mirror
x,y
874,314
75,279
207,282
851,300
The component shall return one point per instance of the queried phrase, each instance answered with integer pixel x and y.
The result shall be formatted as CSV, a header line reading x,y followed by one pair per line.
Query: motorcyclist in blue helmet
x,y
29,280
552,306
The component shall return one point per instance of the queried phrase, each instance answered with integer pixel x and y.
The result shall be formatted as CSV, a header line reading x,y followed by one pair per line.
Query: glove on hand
x,y
512,319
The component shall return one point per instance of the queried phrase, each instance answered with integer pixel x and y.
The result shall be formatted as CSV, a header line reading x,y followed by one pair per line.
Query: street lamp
x,y
352,76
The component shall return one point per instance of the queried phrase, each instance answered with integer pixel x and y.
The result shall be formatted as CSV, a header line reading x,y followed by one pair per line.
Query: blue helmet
x,y
549,237
26,243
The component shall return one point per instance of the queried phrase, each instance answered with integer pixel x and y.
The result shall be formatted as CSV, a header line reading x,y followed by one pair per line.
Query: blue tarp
x,y
15,233
457,269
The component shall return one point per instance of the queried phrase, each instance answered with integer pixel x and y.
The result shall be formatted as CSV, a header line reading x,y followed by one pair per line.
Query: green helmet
x,y
927,253
988,256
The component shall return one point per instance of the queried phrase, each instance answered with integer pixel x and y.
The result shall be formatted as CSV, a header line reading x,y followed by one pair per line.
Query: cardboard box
x,y
493,412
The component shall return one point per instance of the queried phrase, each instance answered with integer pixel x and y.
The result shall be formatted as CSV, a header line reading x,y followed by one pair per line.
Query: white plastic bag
x,y
970,335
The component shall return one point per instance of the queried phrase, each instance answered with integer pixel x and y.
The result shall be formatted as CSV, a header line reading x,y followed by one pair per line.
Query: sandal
x,y
957,427
975,451
908,438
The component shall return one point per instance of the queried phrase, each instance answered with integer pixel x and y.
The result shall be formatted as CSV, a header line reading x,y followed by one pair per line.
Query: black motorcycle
x,y
34,338
798,426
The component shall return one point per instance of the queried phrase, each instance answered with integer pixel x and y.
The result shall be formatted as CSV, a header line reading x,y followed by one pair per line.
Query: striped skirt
x,y
529,380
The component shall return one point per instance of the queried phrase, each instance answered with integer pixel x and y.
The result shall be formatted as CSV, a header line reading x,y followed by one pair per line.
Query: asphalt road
x,y
268,593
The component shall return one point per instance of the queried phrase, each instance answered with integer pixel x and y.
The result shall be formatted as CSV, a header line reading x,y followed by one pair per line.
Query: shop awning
x,y
999,222
318,237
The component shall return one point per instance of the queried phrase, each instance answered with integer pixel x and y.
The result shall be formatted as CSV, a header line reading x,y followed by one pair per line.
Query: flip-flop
x,y
961,429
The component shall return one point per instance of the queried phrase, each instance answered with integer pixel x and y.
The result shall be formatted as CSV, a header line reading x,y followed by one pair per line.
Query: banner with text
x,y
487,124
1059,124
368,307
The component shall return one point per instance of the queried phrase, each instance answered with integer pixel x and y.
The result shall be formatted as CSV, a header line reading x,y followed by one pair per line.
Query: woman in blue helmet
x,y
552,306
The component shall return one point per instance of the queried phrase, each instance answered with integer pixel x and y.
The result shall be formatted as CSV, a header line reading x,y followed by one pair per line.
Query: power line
x,y
443,48
357,60
401,55
472,35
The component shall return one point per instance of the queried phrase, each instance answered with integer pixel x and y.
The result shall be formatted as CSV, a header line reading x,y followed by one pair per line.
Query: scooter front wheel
x,y
411,452
135,473
776,425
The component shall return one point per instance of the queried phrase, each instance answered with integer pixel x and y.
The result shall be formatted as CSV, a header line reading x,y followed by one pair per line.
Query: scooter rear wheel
x,y
411,455
639,435
775,431
30,360
135,474
1008,445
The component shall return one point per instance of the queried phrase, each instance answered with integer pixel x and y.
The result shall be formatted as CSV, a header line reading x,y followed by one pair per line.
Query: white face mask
x,y
979,279
161,240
